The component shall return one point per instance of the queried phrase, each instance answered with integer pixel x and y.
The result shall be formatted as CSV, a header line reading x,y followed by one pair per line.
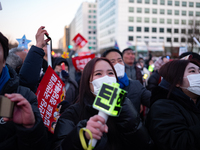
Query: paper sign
x,y
80,40
79,62
50,93
182,50
109,99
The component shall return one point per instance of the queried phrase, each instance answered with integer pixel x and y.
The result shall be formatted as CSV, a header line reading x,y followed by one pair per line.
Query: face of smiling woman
x,y
101,69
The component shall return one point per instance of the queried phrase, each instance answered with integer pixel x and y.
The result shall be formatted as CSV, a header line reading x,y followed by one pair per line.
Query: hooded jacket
x,y
14,136
124,131
174,122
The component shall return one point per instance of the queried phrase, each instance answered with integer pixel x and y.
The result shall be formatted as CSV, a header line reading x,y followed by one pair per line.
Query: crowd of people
x,y
161,110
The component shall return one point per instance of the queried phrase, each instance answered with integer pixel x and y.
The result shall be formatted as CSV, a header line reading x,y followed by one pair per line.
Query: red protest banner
x,y
79,62
80,40
50,93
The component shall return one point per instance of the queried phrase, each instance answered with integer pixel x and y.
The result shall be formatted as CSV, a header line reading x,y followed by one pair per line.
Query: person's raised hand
x,y
97,126
23,113
40,42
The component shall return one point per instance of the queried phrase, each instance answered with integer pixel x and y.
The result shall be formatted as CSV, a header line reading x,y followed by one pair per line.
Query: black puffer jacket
x,y
174,122
138,94
14,136
124,131
153,81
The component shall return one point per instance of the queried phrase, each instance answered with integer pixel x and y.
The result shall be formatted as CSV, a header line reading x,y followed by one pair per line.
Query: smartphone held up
x,y
6,107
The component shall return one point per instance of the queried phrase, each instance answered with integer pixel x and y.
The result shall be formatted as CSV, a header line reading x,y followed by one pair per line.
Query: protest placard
x,y
80,40
79,62
50,93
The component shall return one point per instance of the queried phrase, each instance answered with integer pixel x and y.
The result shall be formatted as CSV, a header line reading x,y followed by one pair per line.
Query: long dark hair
x,y
173,72
85,94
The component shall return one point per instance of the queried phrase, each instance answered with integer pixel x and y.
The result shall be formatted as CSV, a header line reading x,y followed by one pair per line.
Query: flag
x,y
116,45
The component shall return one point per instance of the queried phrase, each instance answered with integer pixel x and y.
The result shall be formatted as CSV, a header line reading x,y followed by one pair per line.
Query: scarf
x,y
5,76
124,81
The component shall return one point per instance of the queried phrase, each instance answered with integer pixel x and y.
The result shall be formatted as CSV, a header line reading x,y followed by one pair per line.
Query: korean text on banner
x,y
79,62
80,40
49,94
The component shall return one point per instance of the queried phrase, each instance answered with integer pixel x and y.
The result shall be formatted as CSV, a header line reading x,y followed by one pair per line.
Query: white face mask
x,y
194,81
97,83
120,70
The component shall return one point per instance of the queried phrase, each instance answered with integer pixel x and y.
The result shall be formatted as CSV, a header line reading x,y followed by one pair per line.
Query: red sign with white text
x,y
50,93
79,62
80,40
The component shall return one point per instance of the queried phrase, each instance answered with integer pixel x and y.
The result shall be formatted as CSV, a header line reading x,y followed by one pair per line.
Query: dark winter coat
x,y
137,94
14,136
124,132
174,122
133,72
153,81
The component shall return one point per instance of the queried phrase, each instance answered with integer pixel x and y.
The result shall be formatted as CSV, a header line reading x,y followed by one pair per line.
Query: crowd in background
x,y
161,110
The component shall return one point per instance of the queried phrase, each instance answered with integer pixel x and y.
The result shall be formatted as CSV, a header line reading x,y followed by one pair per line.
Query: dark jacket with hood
x,y
124,132
174,122
153,81
14,136
138,94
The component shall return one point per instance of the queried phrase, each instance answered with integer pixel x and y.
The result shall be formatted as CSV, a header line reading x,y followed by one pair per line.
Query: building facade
x,y
85,23
159,26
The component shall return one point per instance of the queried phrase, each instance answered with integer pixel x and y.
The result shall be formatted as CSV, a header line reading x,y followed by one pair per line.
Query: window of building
x,y
89,21
130,38
147,1
169,11
176,3
190,40
154,29
130,19
138,37
146,20
190,22
183,40
197,13
191,4
198,5
183,13
190,31
94,22
184,4
154,20
94,6
161,38
162,20
139,10
162,2
146,29
89,5
89,47
176,21
90,11
94,16
154,11
197,22
176,12
94,37
146,10
155,2
89,43
89,32
190,13
89,16
175,30
169,21
183,22
94,32
94,43
183,31
196,31
131,9
175,39
169,30
94,27
146,37
139,1
89,37
139,19
168,39
169,3
131,1
162,11
161,30
94,48
94,11
139,29
130,28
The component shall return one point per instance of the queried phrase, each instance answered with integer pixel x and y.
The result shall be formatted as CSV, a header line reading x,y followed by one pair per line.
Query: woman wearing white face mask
x,y
120,132
174,117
